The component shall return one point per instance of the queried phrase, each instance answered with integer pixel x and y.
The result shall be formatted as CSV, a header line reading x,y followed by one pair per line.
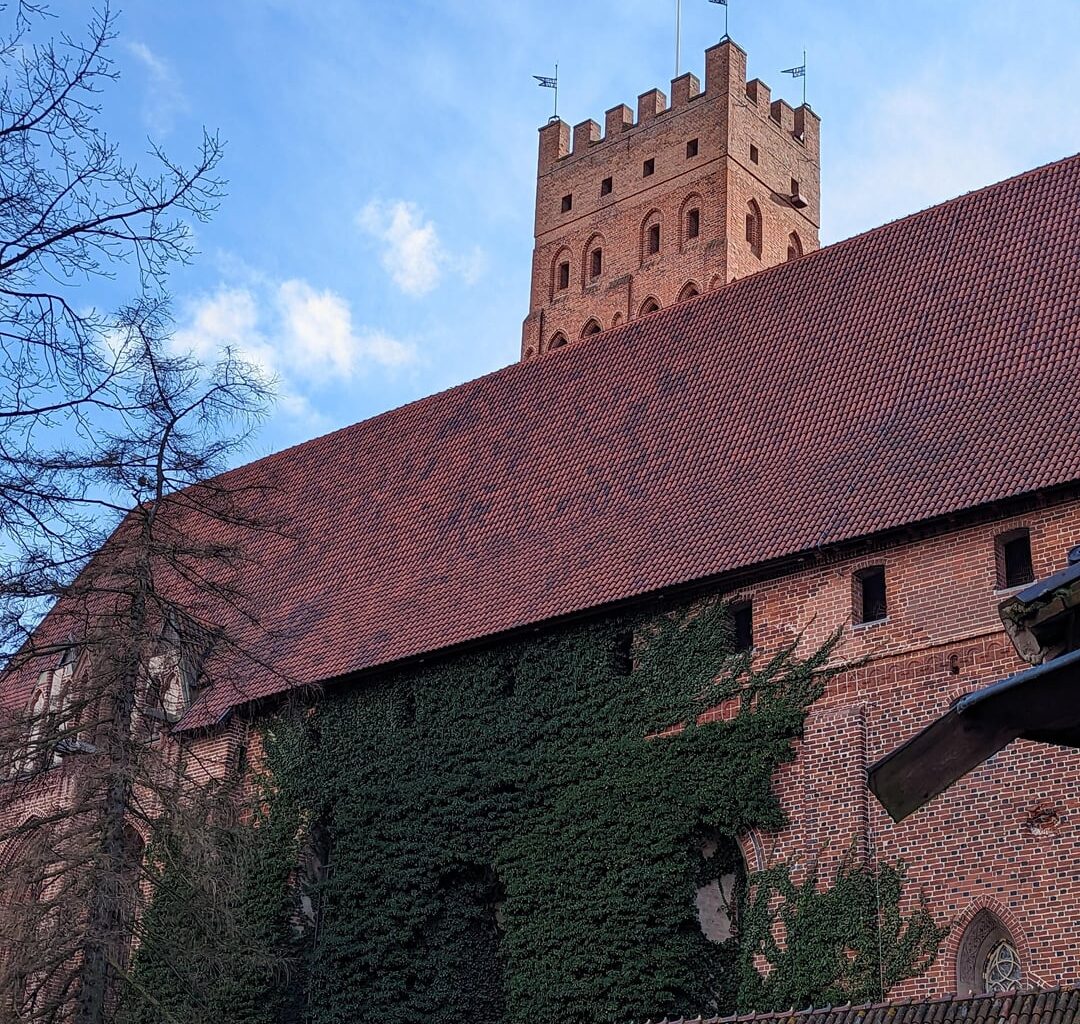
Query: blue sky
x,y
375,243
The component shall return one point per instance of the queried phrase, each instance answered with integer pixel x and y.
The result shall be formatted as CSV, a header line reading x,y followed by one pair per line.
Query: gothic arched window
x,y
987,959
689,291
591,328
722,875
650,305
794,246
557,341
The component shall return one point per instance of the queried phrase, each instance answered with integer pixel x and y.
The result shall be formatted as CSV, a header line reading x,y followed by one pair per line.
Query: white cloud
x,y
294,332
411,251
163,99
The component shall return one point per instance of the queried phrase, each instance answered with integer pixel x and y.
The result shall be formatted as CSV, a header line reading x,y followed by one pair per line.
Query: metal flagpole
x,y
799,72
678,36
725,3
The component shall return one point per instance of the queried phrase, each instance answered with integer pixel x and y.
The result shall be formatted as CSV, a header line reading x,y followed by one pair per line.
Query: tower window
x,y
558,340
742,622
1012,554
591,328
753,227
654,238
693,223
605,187
794,247
691,149
564,276
648,167
869,595
596,264
753,154
567,203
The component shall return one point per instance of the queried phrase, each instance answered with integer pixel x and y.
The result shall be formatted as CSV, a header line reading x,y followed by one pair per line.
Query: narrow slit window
x,y
742,623
596,265
1013,557
564,276
691,149
605,187
693,223
567,203
648,167
654,238
753,154
870,595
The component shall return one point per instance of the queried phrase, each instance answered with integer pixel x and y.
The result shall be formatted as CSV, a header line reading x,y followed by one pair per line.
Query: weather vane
x,y
799,72
725,5
551,82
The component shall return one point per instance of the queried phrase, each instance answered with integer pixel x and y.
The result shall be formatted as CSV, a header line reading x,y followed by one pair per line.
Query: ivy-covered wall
x,y
501,837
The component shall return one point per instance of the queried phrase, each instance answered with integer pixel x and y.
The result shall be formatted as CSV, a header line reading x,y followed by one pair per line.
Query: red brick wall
x,y
973,846
719,181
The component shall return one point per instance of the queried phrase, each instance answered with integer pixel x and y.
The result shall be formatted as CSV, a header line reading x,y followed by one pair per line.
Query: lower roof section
x,y
1050,1006
921,369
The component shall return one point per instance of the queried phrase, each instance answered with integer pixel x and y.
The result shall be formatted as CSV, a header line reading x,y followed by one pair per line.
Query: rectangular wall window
x,y
742,621
567,203
1012,553
869,597
648,167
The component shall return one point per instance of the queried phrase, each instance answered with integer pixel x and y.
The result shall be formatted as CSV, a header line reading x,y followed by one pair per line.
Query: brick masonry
x,y
985,842
713,152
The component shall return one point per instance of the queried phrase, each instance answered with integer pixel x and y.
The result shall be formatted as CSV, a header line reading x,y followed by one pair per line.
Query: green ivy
x,y
508,840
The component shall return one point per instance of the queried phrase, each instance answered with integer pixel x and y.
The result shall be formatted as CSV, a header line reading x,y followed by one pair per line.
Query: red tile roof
x,y
1053,1006
926,367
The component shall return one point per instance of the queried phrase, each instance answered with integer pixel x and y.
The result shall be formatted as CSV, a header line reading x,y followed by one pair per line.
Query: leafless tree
x,y
121,583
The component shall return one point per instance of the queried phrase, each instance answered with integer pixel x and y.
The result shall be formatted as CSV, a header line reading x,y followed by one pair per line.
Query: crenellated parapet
x,y
725,76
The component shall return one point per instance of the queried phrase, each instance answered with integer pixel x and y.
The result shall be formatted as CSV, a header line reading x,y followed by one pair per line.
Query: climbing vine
x,y
518,833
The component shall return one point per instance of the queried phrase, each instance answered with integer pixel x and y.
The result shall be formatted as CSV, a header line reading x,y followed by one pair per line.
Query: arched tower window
x,y
591,328
650,305
988,959
794,246
557,341
560,272
650,235
690,219
592,260
753,227
689,291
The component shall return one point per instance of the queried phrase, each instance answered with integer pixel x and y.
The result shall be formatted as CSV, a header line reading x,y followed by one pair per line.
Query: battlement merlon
x,y
725,75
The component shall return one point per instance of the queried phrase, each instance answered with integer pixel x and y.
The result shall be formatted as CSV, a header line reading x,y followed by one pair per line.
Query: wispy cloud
x,y
950,146
302,336
411,251
163,98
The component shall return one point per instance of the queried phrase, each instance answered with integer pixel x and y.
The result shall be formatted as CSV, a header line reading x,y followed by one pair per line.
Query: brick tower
x,y
717,186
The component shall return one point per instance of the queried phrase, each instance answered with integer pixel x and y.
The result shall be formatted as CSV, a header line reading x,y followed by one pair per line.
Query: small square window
x,y
596,267
605,187
654,238
648,167
693,223
567,203
564,276
742,623
691,149
753,154
1013,556
869,597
